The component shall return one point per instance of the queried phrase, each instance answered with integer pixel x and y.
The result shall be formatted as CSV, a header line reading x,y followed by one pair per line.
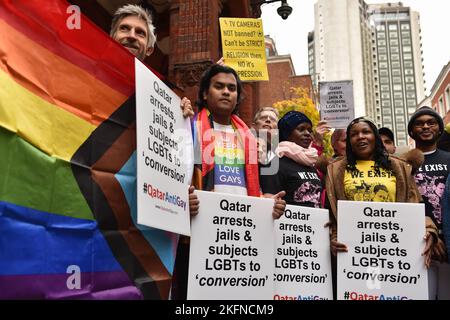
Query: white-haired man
x,y
133,28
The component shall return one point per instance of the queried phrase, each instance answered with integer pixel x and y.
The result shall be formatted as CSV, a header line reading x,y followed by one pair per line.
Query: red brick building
x,y
281,78
440,92
188,38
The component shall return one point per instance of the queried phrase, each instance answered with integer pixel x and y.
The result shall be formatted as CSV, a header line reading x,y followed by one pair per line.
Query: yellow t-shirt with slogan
x,y
368,185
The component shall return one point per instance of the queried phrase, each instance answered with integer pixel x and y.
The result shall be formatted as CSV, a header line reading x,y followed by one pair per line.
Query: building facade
x,y
398,67
339,49
282,78
440,92
312,61
379,48
439,98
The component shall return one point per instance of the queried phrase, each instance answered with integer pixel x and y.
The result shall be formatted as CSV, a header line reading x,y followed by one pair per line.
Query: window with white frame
x,y
441,105
404,26
398,103
392,27
398,95
447,98
411,103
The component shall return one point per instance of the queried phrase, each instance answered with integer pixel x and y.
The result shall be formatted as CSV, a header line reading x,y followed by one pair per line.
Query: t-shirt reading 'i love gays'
x,y
229,160
366,184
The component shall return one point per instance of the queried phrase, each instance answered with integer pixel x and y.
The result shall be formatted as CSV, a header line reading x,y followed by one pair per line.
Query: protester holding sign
x,y
368,173
133,28
425,127
226,158
297,174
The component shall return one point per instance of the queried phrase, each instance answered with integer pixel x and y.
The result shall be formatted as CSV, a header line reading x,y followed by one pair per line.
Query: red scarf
x,y
202,123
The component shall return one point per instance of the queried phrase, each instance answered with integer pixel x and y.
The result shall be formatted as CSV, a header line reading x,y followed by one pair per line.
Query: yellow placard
x,y
243,47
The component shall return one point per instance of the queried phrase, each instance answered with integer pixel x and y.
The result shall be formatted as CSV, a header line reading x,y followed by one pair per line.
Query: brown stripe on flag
x,y
103,172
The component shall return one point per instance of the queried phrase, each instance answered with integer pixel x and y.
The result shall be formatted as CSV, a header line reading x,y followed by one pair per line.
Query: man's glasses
x,y
429,123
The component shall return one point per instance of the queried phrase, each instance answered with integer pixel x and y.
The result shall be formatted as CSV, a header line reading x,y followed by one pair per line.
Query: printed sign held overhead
x,y
243,47
336,103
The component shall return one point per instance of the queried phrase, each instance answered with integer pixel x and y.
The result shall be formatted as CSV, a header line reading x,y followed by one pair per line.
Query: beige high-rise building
x,y
376,46
398,67
341,49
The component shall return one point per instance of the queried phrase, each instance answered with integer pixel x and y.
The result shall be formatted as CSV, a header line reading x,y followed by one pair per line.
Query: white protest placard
x,y
302,255
385,244
231,252
164,155
336,103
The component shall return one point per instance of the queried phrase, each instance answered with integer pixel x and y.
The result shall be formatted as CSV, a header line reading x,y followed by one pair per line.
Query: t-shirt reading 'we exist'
x,y
302,184
366,184
229,160
430,179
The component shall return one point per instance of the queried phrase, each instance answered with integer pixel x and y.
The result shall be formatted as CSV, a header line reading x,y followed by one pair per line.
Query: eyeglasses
x,y
430,123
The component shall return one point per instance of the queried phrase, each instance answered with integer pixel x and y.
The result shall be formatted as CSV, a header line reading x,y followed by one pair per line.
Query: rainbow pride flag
x,y
68,164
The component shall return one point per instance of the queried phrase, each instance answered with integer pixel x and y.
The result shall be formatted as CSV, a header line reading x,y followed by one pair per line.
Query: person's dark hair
x,y
379,187
380,154
206,81
387,132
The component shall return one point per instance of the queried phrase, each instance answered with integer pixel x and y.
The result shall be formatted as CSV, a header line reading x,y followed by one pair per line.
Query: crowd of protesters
x,y
303,175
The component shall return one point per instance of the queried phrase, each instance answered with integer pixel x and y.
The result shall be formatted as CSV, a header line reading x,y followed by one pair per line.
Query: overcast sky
x,y
291,35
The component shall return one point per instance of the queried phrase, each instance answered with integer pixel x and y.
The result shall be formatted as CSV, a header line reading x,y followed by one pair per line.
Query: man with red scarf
x,y
226,158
